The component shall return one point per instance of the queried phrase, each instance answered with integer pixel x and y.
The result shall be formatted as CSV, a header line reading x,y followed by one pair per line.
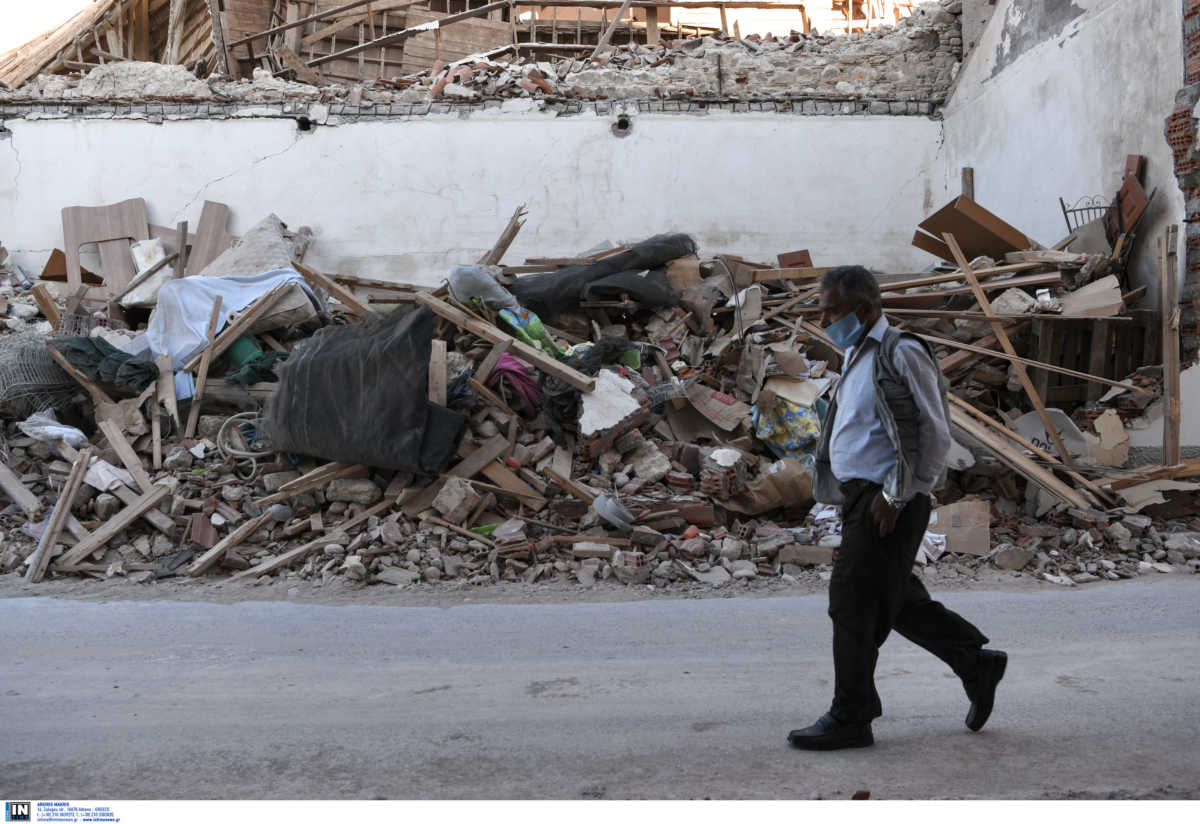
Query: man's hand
x,y
883,515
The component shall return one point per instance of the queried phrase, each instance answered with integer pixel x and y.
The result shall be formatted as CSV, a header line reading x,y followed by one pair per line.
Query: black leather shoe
x,y
992,663
830,734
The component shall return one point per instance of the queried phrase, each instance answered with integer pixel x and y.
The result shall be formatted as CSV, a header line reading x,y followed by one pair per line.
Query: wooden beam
x,y
120,444
166,387
238,325
98,394
1003,449
320,476
1025,444
174,31
143,277
1025,362
140,31
231,541
518,349
19,493
62,511
1168,290
1006,344
334,289
224,61
484,370
409,32
323,14
114,525
214,318
437,372
506,238
46,303
951,362
272,564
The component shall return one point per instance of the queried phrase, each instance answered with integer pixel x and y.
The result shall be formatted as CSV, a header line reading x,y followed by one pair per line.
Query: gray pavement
x,y
650,699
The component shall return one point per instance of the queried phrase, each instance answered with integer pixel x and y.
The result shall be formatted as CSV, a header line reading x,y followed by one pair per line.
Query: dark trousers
x,y
874,591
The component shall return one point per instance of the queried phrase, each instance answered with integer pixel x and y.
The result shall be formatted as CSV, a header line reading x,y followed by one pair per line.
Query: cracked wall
x,y
405,199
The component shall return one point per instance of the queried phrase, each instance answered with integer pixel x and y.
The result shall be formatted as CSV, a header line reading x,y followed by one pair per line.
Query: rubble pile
x,y
642,414
913,62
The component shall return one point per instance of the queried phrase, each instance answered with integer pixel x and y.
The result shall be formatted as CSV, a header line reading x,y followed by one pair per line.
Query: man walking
x,y
882,452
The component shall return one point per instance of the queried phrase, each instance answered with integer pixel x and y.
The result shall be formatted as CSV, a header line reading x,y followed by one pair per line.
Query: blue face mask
x,y
846,332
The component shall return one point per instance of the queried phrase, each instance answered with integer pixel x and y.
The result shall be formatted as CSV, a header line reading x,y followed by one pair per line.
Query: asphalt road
x,y
652,699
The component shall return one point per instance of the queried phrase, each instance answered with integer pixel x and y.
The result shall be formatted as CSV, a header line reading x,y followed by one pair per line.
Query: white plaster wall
x,y
1059,119
404,200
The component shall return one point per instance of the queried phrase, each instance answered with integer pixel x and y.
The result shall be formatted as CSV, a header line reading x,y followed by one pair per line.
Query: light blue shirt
x,y
859,447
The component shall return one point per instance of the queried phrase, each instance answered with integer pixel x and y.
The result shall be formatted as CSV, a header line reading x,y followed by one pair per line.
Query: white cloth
x,y
179,323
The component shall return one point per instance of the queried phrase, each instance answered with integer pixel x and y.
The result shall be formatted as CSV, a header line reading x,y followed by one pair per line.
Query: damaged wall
x,y
1051,101
404,199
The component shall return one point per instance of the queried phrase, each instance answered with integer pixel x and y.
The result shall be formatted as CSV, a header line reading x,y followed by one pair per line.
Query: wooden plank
x,y
569,486
484,370
1003,450
1168,277
114,525
62,510
951,362
489,397
120,444
321,476
334,289
166,387
1045,354
506,238
46,303
1090,486
1098,358
466,533
231,541
141,278
1049,256
612,27
156,455
214,318
1006,344
238,325
19,494
225,62
212,238
322,14
396,37
98,394
437,372
474,460
791,273
519,349
950,277
289,557
1048,279
505,478
140,34
1026,362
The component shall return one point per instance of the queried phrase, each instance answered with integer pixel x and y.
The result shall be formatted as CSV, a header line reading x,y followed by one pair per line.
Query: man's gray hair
x,y
854,284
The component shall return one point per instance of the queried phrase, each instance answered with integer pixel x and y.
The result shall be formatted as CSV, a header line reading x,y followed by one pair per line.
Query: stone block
x,y
803,555
353,491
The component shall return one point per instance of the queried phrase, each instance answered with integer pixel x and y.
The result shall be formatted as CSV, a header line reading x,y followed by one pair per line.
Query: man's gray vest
x,y
898,413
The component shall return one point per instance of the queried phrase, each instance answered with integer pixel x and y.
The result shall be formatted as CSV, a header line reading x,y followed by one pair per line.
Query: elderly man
x,y
882,452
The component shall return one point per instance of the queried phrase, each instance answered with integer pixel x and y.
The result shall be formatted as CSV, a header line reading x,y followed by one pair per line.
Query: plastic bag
x,y
44,427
